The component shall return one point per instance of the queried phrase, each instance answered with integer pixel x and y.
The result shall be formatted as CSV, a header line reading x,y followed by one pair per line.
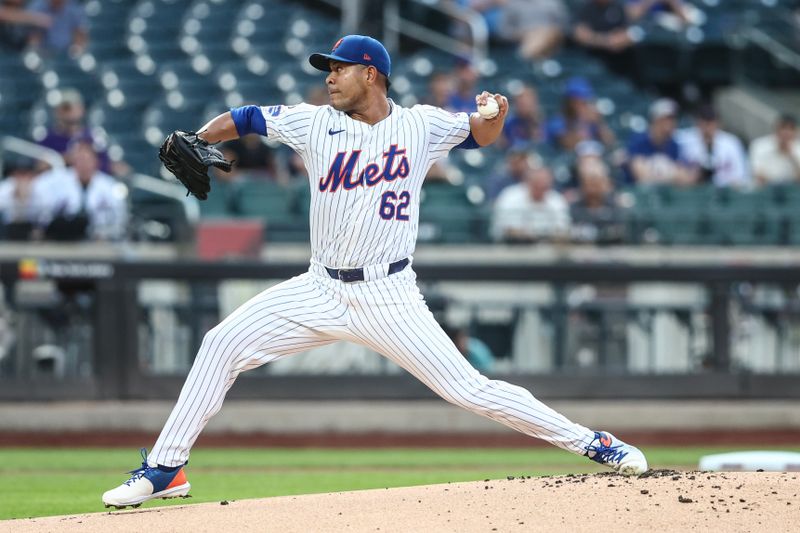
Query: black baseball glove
x,y
188,157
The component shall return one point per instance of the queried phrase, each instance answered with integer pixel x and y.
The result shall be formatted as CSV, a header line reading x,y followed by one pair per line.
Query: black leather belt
x,y
357,274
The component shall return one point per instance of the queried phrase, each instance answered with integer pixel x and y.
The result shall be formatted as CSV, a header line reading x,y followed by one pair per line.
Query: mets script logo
x,y
395,165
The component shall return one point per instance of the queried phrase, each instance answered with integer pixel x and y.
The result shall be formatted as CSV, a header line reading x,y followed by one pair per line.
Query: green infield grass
x,y
41,482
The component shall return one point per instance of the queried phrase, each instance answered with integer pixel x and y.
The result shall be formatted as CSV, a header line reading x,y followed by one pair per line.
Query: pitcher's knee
x,y
214,341
210,338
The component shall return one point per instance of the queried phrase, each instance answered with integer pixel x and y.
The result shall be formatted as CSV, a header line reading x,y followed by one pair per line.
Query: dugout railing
x,y
99,302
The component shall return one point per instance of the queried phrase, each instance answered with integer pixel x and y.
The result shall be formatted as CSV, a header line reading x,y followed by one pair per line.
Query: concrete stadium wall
x,y
396,417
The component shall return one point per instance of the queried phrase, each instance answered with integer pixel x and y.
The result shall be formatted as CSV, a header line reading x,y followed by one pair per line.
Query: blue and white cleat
x,y
608,450
148,483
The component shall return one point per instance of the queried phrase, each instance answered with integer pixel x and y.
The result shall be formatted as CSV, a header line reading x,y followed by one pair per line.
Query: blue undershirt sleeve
x,y
249,119
468,144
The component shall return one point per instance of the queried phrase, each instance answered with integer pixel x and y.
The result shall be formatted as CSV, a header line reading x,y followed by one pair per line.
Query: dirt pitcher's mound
x,y
660,500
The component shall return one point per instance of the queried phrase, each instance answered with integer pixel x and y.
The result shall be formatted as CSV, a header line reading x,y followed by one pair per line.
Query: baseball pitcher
x,y
366,158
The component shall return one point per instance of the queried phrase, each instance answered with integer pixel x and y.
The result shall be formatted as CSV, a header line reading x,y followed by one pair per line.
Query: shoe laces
x,y
606,454
138,473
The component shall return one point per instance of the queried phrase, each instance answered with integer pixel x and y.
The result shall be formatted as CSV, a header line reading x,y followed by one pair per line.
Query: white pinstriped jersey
x,y
365,184
365,180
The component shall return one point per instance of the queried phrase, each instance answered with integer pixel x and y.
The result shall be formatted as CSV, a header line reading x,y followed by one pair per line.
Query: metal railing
x,y
172,191
32,150
778,50
395,25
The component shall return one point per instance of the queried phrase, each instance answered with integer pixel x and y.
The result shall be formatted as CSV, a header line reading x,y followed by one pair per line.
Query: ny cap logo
x,y
335,46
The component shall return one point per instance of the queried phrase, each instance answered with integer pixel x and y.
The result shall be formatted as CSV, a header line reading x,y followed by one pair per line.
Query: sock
x,y
168,469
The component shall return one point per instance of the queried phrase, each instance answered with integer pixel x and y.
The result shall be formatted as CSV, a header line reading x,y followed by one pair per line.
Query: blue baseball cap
x,y
580,88
355,49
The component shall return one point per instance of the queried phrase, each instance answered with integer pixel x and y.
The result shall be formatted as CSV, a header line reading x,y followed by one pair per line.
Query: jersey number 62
x,y
393,206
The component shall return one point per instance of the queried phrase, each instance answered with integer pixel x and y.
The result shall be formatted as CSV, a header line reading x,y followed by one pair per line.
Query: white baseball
x,y
490,109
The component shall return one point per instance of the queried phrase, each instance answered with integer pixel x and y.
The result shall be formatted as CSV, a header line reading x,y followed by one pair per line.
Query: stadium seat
x,y
711,63
14,121
273,203
698,197
136,88
660,61
19,87
264,198
165,118
162,52
791,228
115,121
220,202
577,63
68,74
195,88
743,226
755,201
217,53
107,23
301,198
679,227
447,215
139,154
146,206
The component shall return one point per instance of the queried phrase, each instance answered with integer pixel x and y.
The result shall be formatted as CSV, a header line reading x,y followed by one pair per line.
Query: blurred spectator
x,y
655,156
718,156
537,26
286,164
584,151
580,120
602,27
462,97
253,157
443,172
531,211
317,95
639,9
477,353
227,185
525,124
296,167
68,125
19,210
68,31
235,175
776,157
491,10
519,160
596,216
81,201
440,87
16,24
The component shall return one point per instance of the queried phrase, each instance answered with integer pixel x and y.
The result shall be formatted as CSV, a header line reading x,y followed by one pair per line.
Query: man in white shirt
x,y
531,210
718,155
776,157
16,199
82,192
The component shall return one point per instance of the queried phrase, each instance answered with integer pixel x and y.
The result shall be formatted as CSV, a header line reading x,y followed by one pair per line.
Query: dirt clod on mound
x,y
674,474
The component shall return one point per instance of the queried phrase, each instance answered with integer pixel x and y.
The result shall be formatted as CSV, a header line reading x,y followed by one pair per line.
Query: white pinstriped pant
x,y
387,315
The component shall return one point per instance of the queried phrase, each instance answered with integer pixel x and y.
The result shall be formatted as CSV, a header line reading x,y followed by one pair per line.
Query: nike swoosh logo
x,y
334,132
